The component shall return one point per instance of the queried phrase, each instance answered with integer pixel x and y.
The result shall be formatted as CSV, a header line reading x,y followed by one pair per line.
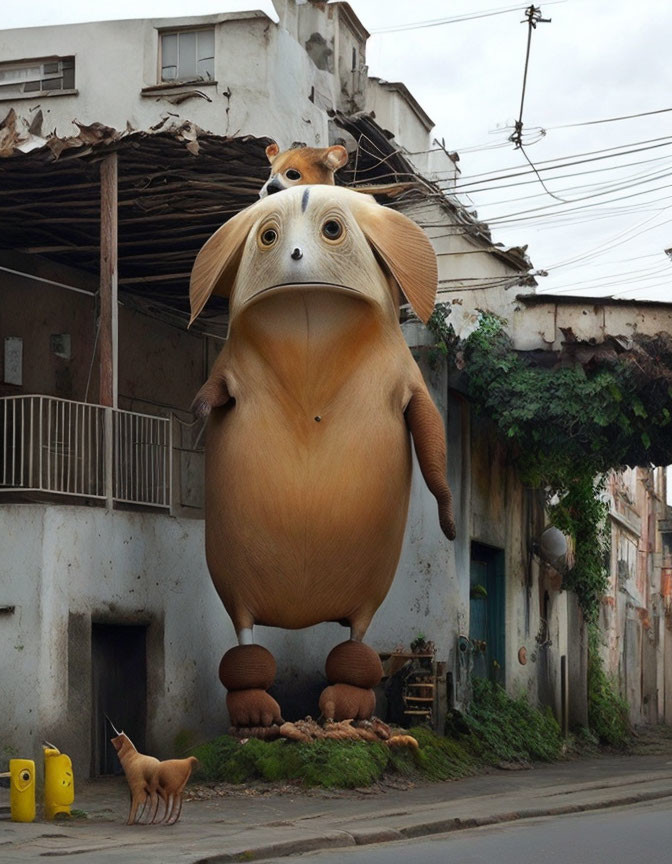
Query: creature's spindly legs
x,y
247,671
353,669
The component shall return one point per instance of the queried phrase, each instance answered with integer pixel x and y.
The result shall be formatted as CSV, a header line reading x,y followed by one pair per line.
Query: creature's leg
x,y
353,669
170,804
177,809
161,795
247,671
154,806
141,813
137,799
429,438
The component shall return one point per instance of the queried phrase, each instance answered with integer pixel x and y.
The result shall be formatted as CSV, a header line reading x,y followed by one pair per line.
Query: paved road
x,y
640,834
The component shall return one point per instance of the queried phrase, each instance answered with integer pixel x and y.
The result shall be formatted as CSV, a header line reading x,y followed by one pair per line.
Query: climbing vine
x,y
447,342
581,514
567,426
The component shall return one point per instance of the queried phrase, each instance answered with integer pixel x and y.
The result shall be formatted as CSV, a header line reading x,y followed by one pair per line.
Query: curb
x,y
365,836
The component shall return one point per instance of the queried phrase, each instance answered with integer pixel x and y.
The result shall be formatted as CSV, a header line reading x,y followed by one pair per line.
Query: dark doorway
x,y
487,612
119,688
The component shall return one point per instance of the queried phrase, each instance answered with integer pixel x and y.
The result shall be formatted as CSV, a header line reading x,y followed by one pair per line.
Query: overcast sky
x,y
597,59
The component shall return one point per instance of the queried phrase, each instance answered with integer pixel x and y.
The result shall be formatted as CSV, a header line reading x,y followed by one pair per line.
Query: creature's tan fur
x,y
151,781
308,460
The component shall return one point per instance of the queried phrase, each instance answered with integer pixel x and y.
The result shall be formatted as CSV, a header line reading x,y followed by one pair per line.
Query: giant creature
x,y
311,402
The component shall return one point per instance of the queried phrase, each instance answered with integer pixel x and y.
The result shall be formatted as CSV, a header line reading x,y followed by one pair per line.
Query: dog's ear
x,y
335,157
405,249
272,151
217,263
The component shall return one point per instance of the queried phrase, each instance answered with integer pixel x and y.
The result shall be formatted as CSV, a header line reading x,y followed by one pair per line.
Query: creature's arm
x,y
429,438
215,392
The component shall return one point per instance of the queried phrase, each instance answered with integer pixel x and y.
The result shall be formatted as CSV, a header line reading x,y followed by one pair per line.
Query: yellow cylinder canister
x,y
59,783
22,790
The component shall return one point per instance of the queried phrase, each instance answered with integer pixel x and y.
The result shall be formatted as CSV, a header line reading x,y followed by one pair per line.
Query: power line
x,y
609,119
601,188
455,19
635,145
566,176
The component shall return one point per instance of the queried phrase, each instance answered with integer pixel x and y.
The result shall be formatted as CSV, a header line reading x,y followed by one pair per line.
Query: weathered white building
x,y
106,605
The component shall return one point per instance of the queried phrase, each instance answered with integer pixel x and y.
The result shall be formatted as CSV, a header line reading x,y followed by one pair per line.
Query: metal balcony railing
x,y
60,447
141,459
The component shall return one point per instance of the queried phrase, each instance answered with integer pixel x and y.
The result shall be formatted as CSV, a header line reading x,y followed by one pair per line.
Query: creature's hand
x,y
200,407
213,394
446,519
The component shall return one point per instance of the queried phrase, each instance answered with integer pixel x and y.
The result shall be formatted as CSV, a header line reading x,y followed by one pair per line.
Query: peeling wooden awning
x,y
177,185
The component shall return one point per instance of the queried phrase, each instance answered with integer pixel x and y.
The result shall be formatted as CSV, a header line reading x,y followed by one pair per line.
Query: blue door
x,y
487,612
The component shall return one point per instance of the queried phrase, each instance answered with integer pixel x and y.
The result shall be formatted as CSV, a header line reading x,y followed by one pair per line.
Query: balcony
x,y
76,450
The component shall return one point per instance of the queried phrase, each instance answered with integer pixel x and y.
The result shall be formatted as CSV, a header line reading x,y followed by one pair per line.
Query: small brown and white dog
x,y
306,166
151,781
302,166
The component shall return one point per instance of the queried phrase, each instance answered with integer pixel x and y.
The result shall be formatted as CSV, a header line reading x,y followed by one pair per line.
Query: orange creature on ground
x,y
311,402
151,781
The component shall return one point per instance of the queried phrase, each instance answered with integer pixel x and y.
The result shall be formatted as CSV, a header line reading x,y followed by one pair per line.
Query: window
x,y
188,55
36,76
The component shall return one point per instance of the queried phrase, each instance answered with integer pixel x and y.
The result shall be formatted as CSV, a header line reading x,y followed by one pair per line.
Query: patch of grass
x,y
331,764
441,758
326,763
496,729
501,728
608,712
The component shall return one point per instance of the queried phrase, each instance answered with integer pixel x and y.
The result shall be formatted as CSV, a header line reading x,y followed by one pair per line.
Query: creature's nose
x,y
274,186
296,254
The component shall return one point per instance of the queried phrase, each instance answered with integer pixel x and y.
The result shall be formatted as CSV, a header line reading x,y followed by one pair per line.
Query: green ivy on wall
x,y
566,427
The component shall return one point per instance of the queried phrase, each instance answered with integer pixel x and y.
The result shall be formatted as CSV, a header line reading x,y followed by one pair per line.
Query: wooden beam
x,y
107,338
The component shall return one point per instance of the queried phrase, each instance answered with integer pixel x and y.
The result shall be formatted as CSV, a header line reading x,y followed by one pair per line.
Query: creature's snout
x,y
296,254
274,186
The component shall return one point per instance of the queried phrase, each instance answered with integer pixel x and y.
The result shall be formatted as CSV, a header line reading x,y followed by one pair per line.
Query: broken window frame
x,y
200,56
36,77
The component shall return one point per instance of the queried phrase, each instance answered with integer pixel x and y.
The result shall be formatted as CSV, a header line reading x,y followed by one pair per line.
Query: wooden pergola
x,y
133,209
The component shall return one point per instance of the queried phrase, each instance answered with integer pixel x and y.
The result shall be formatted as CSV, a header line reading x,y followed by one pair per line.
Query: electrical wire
x,y
633,147
455,19
609,119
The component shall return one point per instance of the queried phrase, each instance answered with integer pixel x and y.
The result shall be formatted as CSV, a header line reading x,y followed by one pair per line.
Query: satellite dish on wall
x,y
552,547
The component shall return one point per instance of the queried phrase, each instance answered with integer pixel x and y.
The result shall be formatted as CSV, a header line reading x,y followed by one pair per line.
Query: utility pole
x,y
533,17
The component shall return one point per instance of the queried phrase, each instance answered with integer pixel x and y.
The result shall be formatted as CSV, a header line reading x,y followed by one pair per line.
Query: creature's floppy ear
x,y
335,157
406,250
216,264
272,151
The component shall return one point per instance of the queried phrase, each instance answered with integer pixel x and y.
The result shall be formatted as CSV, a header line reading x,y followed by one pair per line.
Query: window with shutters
x,y
29,78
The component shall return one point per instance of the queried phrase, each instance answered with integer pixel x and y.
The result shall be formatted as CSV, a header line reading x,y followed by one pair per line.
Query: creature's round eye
x,y
268,237
332,229
25,776
292,174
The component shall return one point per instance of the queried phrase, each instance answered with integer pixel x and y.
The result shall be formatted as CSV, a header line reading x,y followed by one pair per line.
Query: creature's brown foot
x,y
247,666
252,708
345,702
352,669
246,671
354,663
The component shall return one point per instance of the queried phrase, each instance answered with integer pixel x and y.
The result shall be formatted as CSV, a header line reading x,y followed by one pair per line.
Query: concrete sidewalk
x,y
242,824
